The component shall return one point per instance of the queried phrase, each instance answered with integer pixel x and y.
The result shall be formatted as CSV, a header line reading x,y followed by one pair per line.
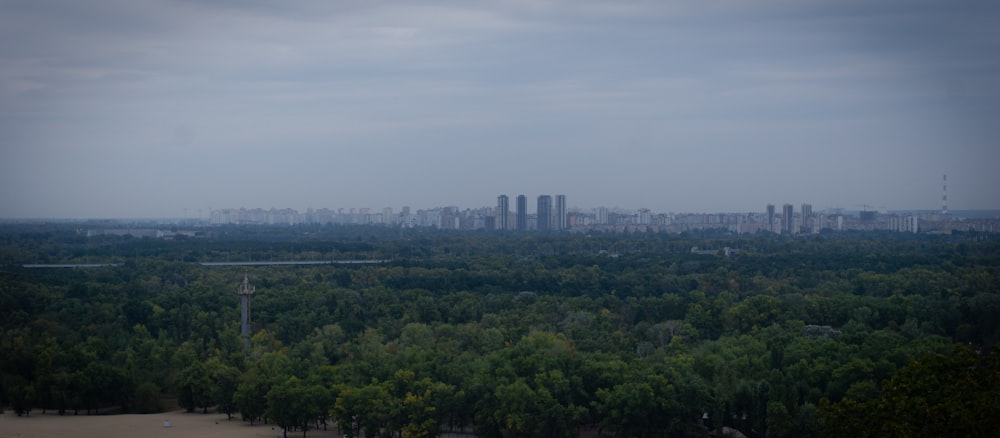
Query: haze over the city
x,y
114,108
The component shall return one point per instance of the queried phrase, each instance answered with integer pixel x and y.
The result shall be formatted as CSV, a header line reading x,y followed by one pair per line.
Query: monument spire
x,y
245,291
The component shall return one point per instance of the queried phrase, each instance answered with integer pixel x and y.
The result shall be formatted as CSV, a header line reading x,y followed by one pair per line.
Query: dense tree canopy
x,y
511,335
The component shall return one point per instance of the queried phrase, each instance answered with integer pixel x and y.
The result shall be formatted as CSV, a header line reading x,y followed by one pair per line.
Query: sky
x,y
164,108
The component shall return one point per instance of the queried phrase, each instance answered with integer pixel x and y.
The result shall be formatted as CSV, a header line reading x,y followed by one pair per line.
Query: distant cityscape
x,y
552,214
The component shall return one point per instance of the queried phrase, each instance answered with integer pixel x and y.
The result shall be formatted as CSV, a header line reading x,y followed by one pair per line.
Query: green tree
x,y
295,403
363,409
20,393
194,385
953,394
779,422
225,382
420,405
249,401
250,397
532,389
631,409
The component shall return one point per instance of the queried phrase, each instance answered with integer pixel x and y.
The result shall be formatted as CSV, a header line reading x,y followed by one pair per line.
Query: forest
x,y
511,335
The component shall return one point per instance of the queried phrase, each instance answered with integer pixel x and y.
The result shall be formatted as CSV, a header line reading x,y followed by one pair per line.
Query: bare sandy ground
x,y
184,425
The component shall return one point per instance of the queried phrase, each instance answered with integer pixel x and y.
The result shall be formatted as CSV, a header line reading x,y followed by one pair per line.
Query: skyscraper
x,y
560,213
645,216
503,212
522,213
807,211
770,217
602,215
787,216
544,213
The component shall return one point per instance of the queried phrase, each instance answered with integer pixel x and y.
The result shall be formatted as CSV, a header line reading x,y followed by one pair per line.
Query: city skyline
x,y
768,215
554,208
544,220
551,215
110,109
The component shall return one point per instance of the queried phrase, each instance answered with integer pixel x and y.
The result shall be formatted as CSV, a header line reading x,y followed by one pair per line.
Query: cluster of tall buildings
x,y
788,222
549,215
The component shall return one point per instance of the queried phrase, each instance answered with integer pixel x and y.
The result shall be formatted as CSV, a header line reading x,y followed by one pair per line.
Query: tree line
x,y
508,335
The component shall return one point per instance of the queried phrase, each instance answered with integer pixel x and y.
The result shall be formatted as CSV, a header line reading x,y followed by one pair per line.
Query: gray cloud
x,y
126,108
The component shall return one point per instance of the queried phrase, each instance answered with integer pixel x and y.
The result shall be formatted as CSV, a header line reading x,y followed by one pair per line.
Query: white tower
x,y
245,291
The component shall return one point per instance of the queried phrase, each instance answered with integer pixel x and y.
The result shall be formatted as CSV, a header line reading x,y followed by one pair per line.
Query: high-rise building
x,y
602,215
807,211
944,195
544,213
770,217
522,213
405,218
503,211
787,218
560,213
645,216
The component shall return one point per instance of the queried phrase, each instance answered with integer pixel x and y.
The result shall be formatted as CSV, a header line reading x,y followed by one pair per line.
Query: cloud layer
x,y
145,108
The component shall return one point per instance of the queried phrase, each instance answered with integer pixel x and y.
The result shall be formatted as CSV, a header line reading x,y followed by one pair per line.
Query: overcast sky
x,y
145,108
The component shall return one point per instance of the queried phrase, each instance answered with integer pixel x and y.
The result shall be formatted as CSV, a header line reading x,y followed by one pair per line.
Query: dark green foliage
x,y
294,403
954,393
508,335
